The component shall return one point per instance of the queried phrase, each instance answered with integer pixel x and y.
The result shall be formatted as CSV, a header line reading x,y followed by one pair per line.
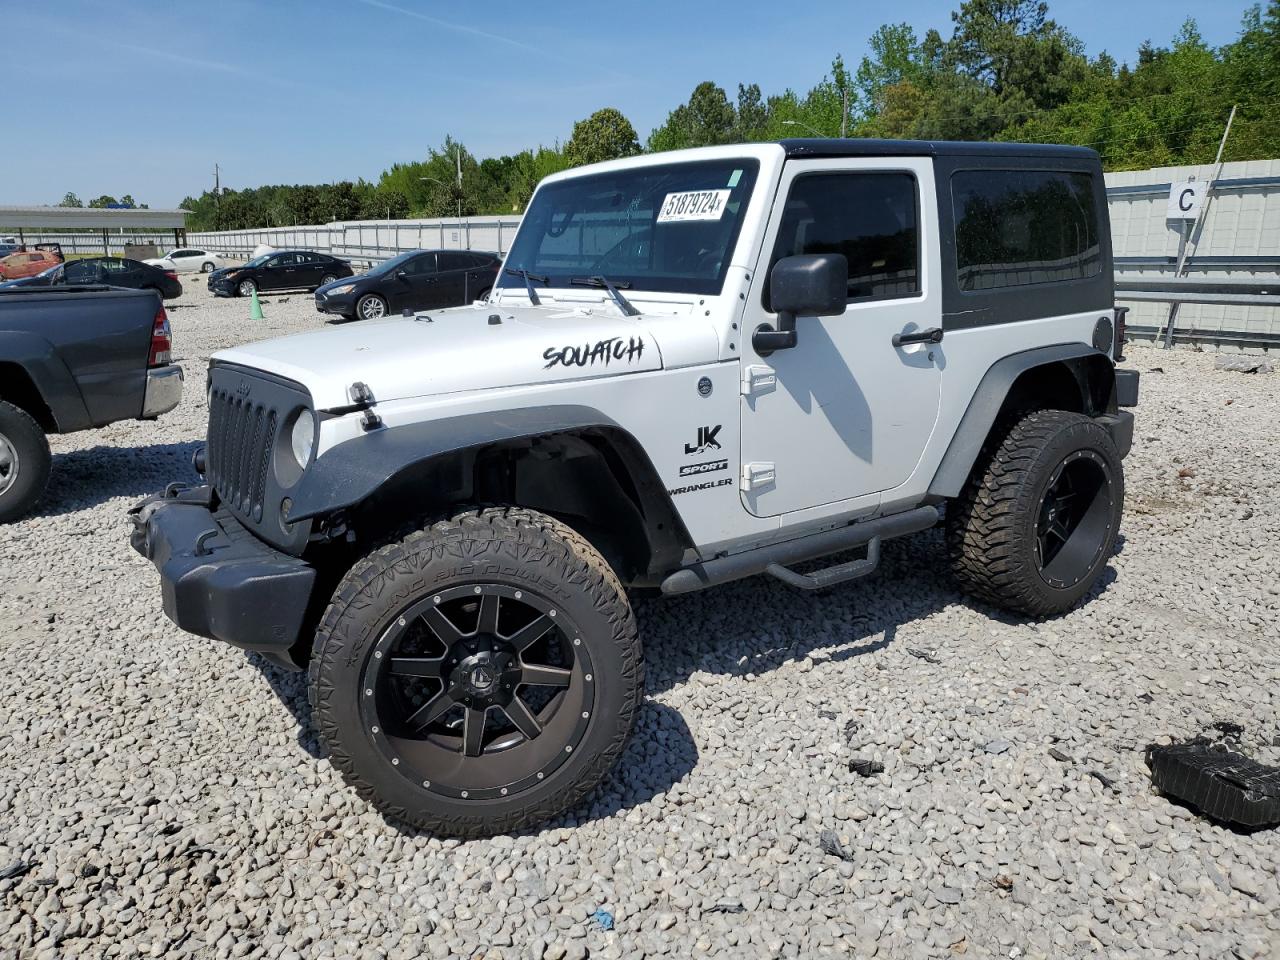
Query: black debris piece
x,y
828,714
1103,779
731,907
925,655
19,868
865,768
850,729
1226,786
1146,698
1228,729
1059,755
830,844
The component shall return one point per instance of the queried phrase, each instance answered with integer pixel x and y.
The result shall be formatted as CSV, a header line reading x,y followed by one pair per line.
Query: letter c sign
x,y
1185,199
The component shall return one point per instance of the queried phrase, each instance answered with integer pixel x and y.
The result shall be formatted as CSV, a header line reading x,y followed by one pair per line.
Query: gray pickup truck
x,y
75,358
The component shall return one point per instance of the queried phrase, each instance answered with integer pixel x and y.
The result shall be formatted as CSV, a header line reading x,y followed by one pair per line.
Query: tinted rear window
x,y
1020,227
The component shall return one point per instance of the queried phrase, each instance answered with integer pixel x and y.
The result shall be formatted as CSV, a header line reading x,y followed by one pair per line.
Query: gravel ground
x,y
162,795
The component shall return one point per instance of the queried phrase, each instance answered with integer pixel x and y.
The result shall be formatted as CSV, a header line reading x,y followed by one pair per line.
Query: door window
x,y
283,260
871,218
420,266
81,271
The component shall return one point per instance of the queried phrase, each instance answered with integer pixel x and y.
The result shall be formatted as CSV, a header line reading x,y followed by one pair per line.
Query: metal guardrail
x,y
1227,291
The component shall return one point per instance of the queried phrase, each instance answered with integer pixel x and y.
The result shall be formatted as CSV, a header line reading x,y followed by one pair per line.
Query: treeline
x,y
1007,71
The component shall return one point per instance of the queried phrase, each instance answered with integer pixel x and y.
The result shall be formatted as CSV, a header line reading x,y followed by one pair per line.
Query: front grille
x,y
242,433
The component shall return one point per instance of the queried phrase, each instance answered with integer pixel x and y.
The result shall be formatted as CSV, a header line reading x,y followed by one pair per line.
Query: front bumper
x,y
222,287
163,391
342,305
218,580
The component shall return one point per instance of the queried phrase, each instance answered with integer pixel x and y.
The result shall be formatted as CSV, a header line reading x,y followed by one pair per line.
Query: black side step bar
x,y
829,576
710,573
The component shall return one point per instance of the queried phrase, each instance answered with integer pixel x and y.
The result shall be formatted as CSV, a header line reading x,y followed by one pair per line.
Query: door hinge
x,y
757,378
758,474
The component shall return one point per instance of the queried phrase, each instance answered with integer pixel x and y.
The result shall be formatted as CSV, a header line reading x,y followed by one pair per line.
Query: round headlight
x,y
303,438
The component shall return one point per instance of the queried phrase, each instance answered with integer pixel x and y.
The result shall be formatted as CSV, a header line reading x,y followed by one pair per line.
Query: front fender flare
x,y
355,469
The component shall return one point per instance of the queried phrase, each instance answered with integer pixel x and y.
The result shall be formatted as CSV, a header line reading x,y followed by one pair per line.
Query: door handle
x,y
931,335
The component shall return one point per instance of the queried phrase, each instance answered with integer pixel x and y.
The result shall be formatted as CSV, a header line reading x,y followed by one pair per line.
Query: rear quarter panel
x,y
101,337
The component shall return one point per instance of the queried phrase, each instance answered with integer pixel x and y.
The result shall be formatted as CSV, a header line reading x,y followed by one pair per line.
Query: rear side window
x,y
1019,227
454,261
871,218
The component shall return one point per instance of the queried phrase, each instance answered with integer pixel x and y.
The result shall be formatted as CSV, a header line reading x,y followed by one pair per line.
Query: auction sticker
x,y
693,205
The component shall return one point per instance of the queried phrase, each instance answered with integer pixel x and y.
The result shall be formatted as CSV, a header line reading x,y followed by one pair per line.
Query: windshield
x,y
670,227
258,261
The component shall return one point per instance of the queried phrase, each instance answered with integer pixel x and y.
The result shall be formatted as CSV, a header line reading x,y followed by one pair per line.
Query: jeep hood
x,y
461,349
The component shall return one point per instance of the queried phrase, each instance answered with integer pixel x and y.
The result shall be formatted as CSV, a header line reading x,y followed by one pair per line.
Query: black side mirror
x,y
814,285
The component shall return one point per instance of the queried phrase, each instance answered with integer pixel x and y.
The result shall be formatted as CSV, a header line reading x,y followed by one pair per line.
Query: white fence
x,y
368,241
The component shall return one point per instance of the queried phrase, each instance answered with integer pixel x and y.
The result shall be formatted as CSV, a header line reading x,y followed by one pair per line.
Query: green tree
x,y
70,200
707,119
101,202
897,57
605,135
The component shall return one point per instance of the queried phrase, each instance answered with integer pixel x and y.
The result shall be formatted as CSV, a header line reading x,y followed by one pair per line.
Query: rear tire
x,y
25,462
406,659
1036,523
484,294
206,267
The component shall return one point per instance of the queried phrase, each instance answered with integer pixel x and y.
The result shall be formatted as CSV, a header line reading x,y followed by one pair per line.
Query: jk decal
x,y
589,354
706,440
711,466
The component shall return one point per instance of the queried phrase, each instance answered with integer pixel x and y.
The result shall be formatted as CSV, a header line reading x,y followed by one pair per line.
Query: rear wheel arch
x,y
1073,377
17,388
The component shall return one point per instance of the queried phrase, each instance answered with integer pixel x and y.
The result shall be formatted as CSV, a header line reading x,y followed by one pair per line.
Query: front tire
x,y
478,676
1037,521
246,288
25,462
371,307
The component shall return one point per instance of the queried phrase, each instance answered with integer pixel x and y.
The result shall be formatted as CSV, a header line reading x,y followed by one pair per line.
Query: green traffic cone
x,y
255,308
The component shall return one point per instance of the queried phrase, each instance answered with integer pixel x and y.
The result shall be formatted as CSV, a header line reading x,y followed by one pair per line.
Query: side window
x,y
1018,227
180,253
307,258
448,260
417,266
112,265
81,271
282,260
871,218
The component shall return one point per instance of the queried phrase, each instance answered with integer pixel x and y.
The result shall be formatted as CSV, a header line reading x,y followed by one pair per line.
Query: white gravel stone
x,y
167,794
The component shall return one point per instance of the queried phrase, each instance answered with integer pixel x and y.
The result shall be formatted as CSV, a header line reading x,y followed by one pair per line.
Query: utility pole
x,y
217,198
1191,237
844,112
458,155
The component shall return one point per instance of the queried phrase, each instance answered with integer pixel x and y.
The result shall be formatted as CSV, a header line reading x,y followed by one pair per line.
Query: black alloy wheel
x,y
479,691
1074,519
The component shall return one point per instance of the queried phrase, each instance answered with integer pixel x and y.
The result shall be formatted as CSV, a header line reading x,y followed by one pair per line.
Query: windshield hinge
x,y
759,474
757,378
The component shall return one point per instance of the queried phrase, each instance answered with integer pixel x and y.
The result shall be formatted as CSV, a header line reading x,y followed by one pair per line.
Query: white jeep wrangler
x,y
697,366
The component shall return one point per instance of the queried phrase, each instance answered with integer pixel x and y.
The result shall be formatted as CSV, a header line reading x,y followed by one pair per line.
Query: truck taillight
x,y
161,343
1117,352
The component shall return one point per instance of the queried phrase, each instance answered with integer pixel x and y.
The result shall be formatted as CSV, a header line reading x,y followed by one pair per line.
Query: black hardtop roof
x,y
867,147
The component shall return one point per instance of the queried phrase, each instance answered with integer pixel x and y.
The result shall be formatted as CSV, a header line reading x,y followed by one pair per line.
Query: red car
x,y
27,263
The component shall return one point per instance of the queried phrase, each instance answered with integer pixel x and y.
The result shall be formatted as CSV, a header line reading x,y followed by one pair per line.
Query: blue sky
x,y
143,98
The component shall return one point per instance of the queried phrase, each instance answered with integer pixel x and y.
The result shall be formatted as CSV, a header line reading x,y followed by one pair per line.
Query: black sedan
x,y
113,271
417,280
281,270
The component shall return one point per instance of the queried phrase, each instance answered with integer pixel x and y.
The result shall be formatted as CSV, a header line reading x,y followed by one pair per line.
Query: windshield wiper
x,y
623,303
533,297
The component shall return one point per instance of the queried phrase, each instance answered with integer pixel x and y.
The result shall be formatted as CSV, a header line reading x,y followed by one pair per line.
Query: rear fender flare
x,y
988,400
47,371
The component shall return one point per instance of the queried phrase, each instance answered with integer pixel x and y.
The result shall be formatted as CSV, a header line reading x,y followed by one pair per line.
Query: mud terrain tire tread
x,y
523,536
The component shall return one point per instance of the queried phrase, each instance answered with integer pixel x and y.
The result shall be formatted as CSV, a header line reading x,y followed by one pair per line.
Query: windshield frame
x,y
742,170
